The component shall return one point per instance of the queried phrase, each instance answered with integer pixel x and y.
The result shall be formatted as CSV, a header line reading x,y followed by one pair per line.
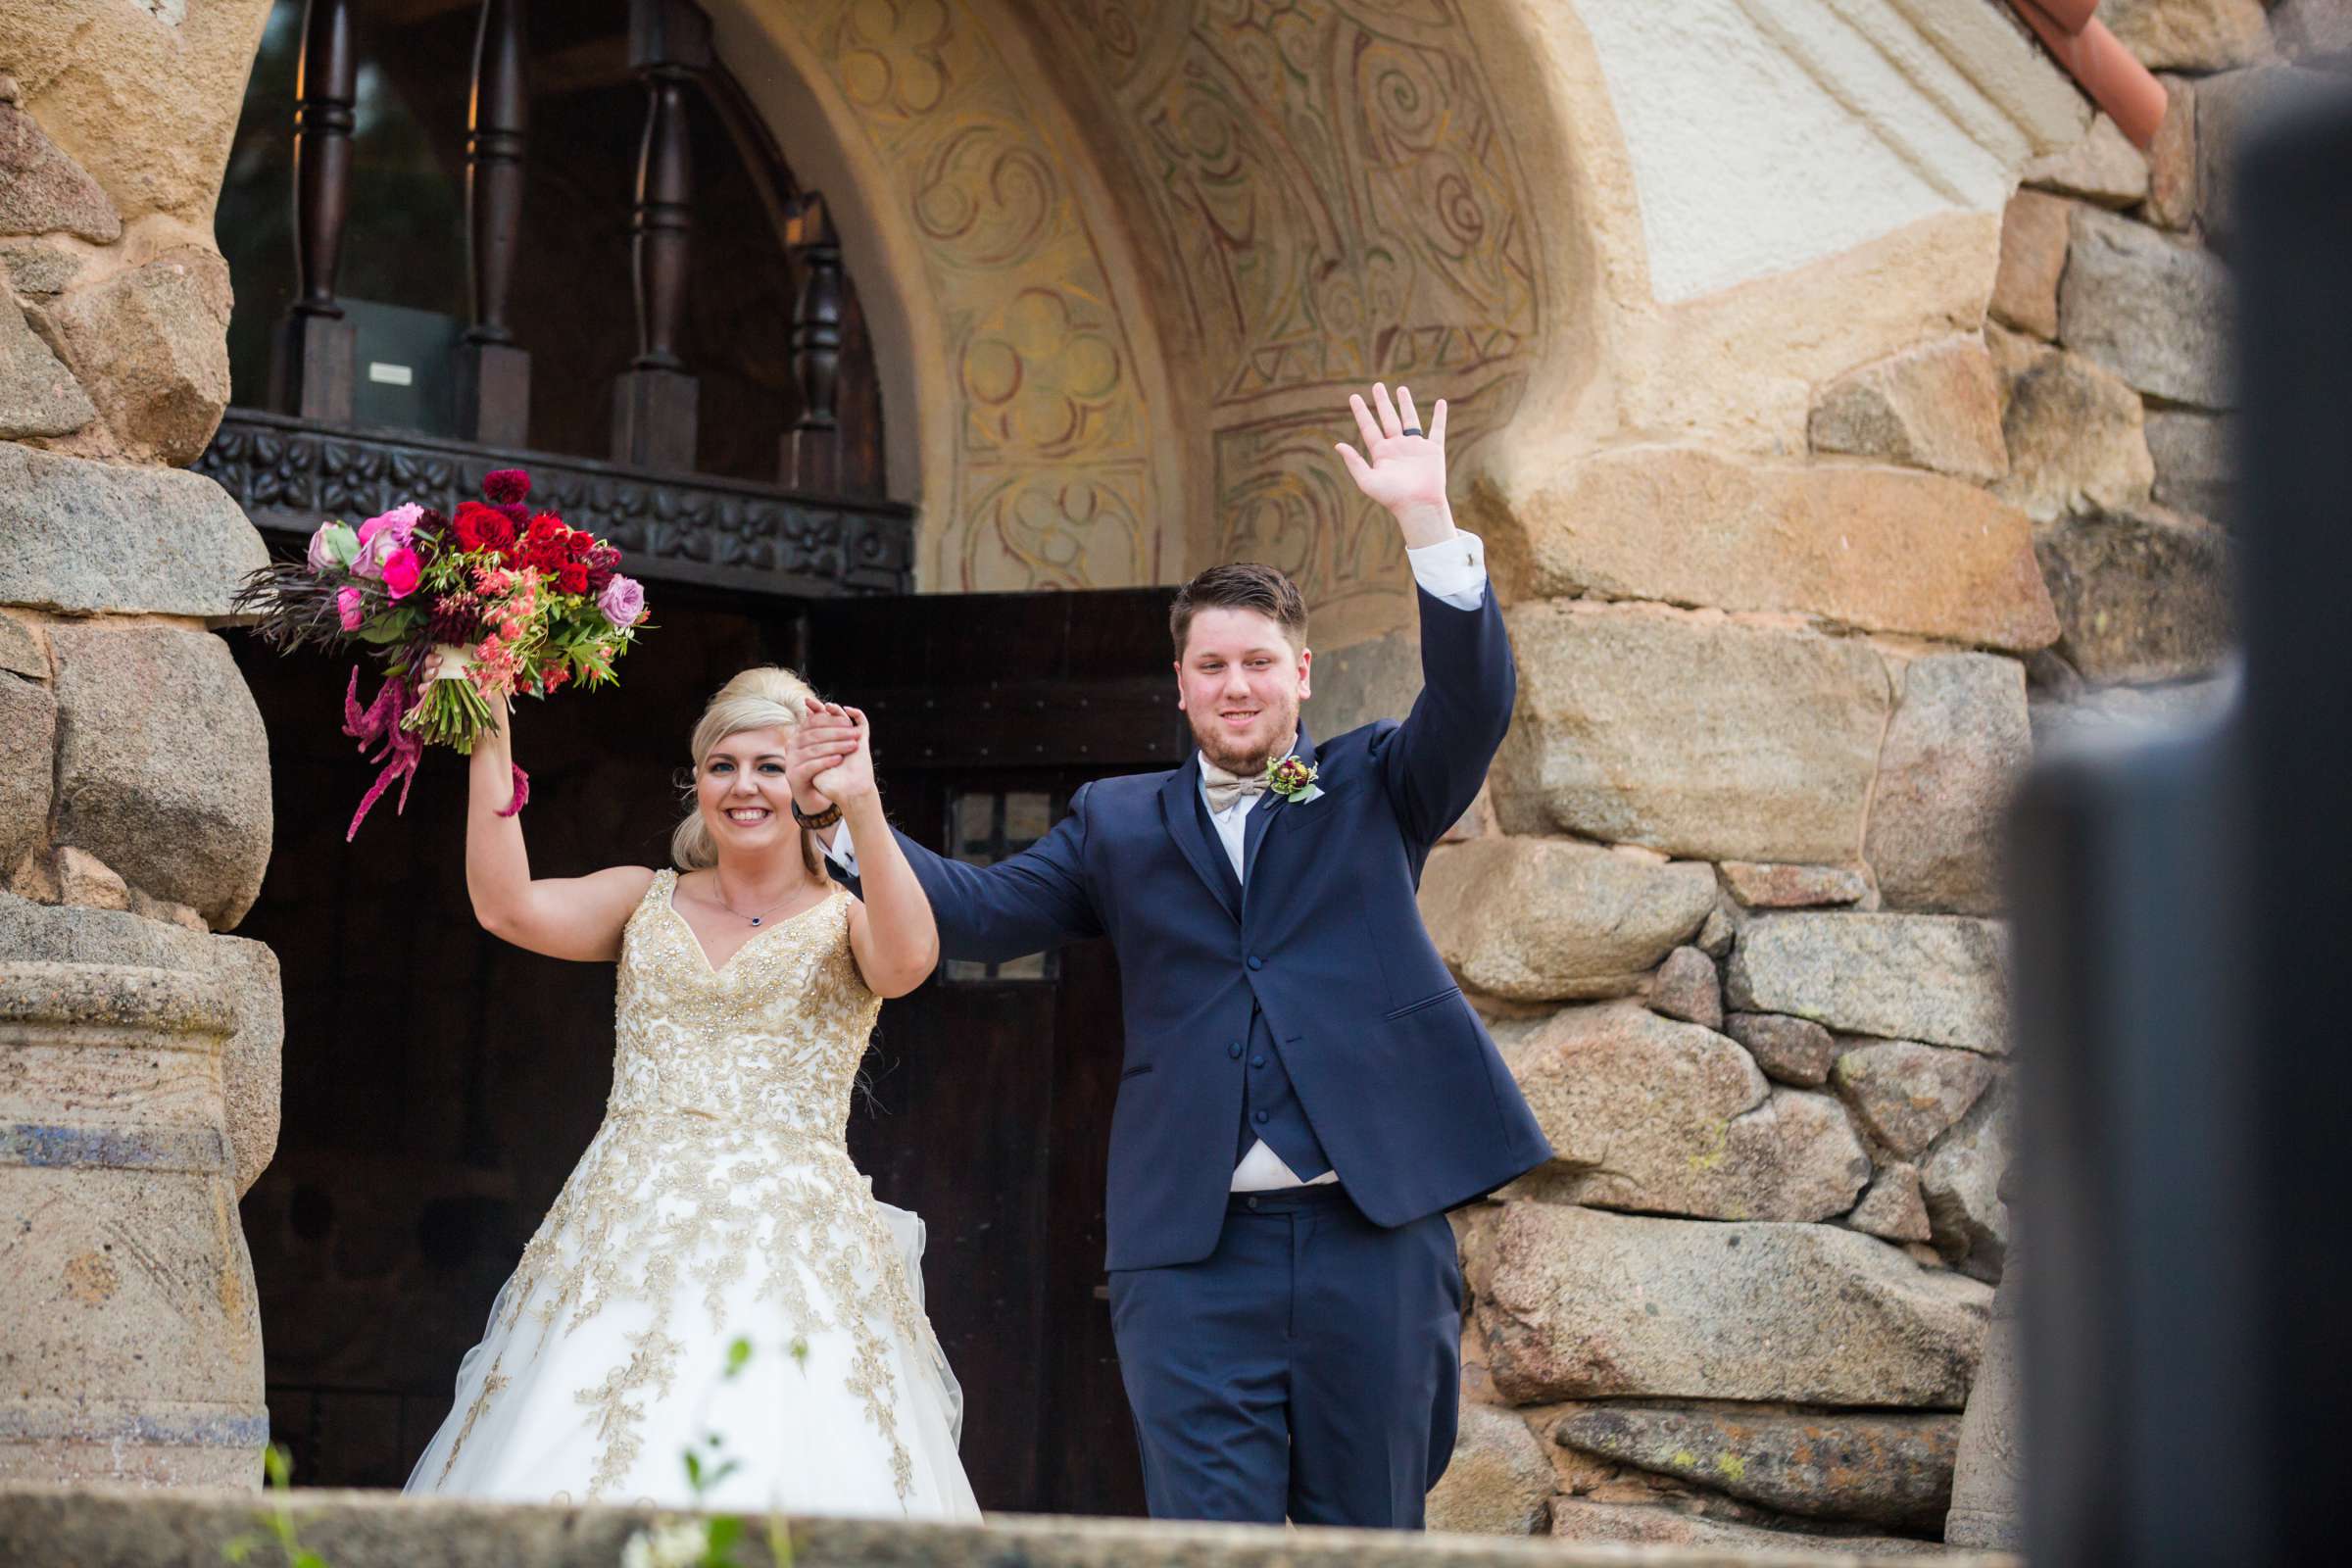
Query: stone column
x,y
138,1049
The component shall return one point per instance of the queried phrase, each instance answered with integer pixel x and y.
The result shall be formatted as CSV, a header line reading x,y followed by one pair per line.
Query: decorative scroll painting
x,y
1053,477
1346,207
1340,201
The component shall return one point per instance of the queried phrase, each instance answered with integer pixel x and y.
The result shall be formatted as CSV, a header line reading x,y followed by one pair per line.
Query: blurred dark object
x,y
2182,939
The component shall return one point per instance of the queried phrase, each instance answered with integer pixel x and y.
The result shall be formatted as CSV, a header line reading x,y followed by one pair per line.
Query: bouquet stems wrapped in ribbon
x,y
465,612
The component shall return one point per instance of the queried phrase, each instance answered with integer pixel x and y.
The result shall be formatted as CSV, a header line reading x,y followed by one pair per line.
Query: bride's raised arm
x,y
892,932
578,917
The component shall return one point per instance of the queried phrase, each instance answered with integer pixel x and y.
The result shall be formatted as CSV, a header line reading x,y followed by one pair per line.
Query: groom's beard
x,y
1250,759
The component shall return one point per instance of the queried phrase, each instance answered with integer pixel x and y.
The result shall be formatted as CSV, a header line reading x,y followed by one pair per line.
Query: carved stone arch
x,y
1046,443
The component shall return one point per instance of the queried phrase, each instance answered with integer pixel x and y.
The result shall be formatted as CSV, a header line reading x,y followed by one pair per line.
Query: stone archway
x,y
1142,253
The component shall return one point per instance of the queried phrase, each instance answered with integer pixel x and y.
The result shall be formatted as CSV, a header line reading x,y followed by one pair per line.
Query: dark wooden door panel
x,y
990,1102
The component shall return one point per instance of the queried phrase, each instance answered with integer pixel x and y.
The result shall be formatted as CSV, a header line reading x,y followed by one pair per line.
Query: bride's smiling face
x,y
741,791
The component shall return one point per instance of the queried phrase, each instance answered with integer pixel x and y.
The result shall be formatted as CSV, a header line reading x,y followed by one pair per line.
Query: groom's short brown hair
x,y
1244,585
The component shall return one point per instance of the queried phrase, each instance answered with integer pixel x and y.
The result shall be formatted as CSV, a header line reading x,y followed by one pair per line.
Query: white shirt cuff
x,y
842,852
1452,571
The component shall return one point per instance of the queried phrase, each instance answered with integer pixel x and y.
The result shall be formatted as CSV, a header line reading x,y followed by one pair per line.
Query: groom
x,y
1305,1092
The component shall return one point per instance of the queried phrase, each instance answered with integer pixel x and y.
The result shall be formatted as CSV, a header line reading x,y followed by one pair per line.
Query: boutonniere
x,y
1294,779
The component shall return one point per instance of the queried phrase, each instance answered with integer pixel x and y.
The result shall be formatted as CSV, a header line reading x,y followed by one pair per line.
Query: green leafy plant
x,y
277,1522
711,1542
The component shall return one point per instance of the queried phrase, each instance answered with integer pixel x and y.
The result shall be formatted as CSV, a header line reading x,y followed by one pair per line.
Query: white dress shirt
x,y
1452,571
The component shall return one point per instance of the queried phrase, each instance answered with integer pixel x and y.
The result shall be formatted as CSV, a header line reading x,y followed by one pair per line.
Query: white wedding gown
x,y
717,1202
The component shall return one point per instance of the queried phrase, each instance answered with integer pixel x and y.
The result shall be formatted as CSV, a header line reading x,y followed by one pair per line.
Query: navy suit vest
x,y
1270,1107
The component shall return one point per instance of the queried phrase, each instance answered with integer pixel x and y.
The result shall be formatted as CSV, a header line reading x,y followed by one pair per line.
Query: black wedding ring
x,y
1412,430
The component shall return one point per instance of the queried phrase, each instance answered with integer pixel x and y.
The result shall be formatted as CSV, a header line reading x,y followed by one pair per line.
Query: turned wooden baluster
x,y
317,355
654,402
813,446
494,373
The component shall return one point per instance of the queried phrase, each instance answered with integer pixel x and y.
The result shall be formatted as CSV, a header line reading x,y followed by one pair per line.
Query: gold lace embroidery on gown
x,y
722,1151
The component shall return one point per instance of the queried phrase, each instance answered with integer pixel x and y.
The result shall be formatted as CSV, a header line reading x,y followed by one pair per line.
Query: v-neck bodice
x,y
773,1035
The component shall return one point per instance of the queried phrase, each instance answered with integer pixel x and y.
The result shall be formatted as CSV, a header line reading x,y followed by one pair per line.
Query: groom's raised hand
x,y
1402,466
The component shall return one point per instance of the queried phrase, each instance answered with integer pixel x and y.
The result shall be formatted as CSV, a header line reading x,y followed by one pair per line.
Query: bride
x,y
718,1201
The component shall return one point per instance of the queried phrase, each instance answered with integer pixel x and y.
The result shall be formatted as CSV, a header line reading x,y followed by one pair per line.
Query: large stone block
x,y
1961,1184
1909,1095
1577,1303
38,395
2190,34
28,765
1791,1051
1937,407
1893,1209
150,346
1539,920
147,100
2033,237
2172,158
164,767
1889,549
1652,1114
1989,1472
1499,1482
1622,1524
88,536
1959,742
2075,432
2145,596
46,933
1893,1470
1929,977
1689,734
43,190
2192,457
2155,311
1757,885
2102,166
251,1062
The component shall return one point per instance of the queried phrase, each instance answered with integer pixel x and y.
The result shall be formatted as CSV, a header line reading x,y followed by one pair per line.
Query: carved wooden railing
x,y
289,474
306,461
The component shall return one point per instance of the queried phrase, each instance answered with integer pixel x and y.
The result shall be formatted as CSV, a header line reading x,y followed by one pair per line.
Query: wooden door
x,y
989,1091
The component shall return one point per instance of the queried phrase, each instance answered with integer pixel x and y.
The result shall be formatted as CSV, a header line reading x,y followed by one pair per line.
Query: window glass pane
x,y
1028,813
975,827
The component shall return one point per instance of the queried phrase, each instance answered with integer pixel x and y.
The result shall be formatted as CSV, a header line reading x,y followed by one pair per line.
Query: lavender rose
x,y
384,533
622,601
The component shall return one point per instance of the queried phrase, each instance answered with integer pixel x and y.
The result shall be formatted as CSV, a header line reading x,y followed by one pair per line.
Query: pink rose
x,y
621,601
400,521
348,609
383,535
401,570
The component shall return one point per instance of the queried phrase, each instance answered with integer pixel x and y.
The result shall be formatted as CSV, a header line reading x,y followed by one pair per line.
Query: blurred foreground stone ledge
x,y
119,1527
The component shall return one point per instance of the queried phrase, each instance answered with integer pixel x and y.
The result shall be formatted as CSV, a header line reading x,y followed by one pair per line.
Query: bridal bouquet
x,y
467,612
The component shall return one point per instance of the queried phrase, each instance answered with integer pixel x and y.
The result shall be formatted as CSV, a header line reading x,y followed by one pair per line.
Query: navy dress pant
x,y
1308,1369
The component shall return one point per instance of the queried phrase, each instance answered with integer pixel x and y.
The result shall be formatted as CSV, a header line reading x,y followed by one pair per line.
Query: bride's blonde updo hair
x,y
765,696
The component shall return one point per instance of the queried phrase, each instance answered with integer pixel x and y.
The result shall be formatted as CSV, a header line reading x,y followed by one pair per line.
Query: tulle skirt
x,y
613,1352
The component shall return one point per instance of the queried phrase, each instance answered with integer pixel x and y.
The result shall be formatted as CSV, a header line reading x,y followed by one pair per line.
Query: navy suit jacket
x,y
1395,1071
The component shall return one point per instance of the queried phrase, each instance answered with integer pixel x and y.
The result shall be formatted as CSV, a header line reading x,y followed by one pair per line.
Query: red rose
x,y
571,577
548,528
580,544
493,528
467,527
